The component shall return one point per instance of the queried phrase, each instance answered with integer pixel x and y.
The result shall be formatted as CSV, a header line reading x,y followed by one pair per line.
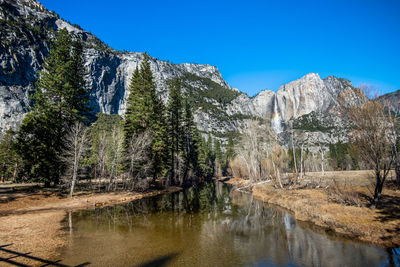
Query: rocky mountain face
x,y
392,100
295,99
27,28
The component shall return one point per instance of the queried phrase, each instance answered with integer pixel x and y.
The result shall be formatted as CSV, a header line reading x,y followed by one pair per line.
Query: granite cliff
x,y
27,28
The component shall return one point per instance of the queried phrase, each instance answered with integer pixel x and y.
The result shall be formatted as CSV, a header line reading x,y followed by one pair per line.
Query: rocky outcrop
x,y
110,75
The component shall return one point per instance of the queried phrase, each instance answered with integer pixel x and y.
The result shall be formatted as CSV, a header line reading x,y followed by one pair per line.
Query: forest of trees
x,y
156,144
153,144
373,145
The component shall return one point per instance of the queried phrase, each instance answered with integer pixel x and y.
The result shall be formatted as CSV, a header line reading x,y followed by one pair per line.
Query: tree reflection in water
x,y
209,226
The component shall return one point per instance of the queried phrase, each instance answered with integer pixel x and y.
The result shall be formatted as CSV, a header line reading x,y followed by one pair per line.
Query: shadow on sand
x,y
15,254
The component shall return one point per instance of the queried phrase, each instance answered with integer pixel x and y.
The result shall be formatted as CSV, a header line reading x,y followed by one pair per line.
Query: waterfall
x,y
276,121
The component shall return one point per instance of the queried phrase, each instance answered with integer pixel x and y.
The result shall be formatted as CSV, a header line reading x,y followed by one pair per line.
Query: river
x,y
208,225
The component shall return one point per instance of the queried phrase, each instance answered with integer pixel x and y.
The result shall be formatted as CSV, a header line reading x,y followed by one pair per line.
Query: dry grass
x,y
342,207
351,178
344,195
237,181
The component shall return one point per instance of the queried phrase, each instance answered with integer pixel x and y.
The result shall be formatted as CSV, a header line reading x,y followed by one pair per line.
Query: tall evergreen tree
x,y
190,147
175,126
210,156
202,155
9,159
218,152
219,161
156,118
230,154
134,123
230,150
60,99
159,140
145,111
79,97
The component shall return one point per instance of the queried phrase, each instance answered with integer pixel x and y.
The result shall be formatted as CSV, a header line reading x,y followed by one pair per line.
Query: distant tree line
x,y
373,145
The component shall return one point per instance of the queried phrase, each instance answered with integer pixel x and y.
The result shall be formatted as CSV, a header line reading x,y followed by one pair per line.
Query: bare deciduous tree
x,y
238,169
373,135
256,141
294,151
138,156
75,147
278,159
301,161
115,153
101,153
322,150
397,160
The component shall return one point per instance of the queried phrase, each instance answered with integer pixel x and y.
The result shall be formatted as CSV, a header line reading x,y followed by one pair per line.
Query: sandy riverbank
x,y
32,222
378,226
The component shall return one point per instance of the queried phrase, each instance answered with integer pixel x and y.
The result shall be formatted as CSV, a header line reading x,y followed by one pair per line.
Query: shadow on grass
x,y
388,210
159,261
15,254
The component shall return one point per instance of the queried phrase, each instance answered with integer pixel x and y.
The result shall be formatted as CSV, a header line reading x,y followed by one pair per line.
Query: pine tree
x,y
145,112
230,154
149,93
159,140
230,151
190,148
202,156
210,156
78,99
218,158
218,152
60,99
155,117
175,126
38,145
134,123
9,159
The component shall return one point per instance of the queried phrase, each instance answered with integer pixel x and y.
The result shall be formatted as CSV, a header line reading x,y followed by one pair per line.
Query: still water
x,y
208,226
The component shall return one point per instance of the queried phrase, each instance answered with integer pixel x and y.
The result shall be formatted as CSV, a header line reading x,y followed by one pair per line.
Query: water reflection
x,y
208,226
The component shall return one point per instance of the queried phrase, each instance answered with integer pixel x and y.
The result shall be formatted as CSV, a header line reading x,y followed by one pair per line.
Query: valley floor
x,y
339,204
32,221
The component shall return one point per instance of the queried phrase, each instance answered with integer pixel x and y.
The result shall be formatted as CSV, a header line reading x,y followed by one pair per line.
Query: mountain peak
x,y
311,75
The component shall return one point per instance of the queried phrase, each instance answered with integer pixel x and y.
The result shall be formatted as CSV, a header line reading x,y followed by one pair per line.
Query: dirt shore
x,y
378,226
31,222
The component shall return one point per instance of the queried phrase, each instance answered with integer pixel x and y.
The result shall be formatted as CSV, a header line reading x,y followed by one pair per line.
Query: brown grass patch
x,y
343,209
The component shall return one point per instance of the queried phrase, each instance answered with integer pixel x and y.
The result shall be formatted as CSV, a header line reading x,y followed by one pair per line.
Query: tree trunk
x,y
74,175
397,170
4,170
378,187
278,176
15,172
294,157
397,167
322,162
301,162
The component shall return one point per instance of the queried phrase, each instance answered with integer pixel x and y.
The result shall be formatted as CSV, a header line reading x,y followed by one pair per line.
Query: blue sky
x,y
256,45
